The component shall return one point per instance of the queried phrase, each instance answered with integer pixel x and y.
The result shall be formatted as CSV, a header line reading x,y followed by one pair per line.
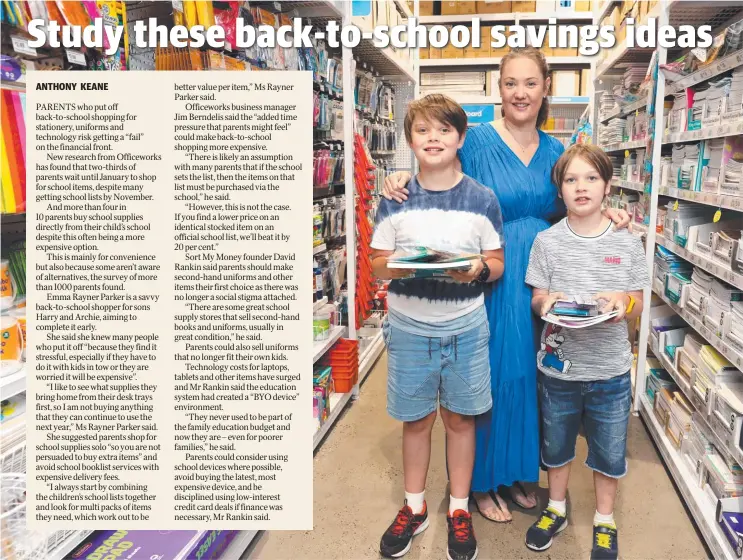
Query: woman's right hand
x,y
394,186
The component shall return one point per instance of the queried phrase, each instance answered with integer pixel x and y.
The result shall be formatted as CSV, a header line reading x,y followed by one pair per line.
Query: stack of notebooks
x,y
735,333
426,262
613,132
712,158
607,104
453,84
577,313
719,305
699,102
677,117
697,445
732,166
734,101
715,100
701,282
667,262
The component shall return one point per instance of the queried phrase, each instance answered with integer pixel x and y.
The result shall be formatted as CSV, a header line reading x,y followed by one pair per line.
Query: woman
x,y
514,158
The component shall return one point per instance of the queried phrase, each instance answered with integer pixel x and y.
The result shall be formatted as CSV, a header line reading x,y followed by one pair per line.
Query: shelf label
x,y
20,45
76,57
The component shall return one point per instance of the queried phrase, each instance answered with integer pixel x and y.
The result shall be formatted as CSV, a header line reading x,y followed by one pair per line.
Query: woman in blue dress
x,y
514,158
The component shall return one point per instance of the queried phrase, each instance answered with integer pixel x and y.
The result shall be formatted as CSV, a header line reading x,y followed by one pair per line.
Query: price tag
x,y
277,6
717,217
626,153
178,5
676,205
76,57
734,202
20,45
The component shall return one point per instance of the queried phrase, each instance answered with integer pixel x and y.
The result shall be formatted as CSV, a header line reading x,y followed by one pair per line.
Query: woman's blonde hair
x,y
538,57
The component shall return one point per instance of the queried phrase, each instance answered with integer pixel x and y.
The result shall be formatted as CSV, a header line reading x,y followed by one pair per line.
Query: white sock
x,y
600,518
559,507
458,503
415,501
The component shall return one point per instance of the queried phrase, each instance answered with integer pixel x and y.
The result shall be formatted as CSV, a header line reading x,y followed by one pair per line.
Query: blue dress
x,y
507,446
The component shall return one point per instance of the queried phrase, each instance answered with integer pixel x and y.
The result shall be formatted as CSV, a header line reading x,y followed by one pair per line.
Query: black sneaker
x,y
462,544
398,537
605,545
539,536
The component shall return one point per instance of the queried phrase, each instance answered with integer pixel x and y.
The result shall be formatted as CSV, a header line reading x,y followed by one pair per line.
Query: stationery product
x,y
430,262
11,345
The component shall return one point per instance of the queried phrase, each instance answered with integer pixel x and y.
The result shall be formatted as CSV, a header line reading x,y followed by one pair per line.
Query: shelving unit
x,y
553,61
12,385
675,13
394,67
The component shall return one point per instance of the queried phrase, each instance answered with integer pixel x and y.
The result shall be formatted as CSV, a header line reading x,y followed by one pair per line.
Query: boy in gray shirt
x,y
585,372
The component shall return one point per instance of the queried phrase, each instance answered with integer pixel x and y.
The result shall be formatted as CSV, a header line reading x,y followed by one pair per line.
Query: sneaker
x,y
539,536
398,537
462,544
605,545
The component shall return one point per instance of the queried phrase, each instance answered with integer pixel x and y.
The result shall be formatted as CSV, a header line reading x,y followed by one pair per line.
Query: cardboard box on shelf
x,y
583,6
502,51
483,51
585,81
450,51
524,7
423,53
467,8
380,12
565,83
484,7
449,8
435,53
425,8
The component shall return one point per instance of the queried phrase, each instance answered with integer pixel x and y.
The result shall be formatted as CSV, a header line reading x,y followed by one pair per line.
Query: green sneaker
x,y
539,536
605,543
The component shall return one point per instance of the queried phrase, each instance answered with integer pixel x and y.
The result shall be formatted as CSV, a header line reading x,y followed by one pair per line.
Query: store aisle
x,y
358,489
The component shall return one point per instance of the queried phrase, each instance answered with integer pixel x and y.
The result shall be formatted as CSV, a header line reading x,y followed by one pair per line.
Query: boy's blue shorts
x,y
422,371
602,406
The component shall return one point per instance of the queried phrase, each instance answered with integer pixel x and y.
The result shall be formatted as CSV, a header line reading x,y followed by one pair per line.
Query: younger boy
x,y
585,372
437,329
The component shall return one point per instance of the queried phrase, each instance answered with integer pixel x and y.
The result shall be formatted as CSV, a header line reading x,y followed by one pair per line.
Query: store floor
x,y
358,489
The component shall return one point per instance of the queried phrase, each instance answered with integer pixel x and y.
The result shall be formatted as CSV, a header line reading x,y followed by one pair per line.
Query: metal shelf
x,y
515,17
384,61
495,61
715,69
370,355
719,131
620,147
711,199
626,110
721,272
11,385
696,500
322,346
629,185
732,355
67,546
338,402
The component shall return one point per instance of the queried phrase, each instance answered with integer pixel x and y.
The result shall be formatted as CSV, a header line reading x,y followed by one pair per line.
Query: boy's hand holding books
x,y
614,301
548,301
469,275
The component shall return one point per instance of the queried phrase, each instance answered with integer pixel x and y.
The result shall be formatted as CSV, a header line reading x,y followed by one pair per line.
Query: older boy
x,y
437,330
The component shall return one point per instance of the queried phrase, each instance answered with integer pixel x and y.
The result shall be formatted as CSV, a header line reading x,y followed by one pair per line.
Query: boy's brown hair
x,y
592,154
436,107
